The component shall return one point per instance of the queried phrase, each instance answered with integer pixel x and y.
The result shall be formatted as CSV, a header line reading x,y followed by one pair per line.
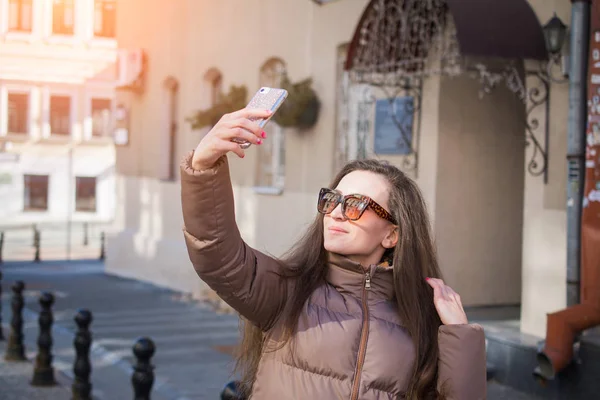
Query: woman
x,y
357,309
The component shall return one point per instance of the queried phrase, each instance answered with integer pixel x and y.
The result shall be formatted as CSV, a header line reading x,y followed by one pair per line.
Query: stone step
x,y
513,357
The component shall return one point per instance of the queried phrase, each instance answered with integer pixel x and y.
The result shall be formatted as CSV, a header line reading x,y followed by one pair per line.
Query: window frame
x,y
169,130
20,30
213,87
27,193
53,20
276,136
102,4
71,98
27,116
110,123
32,110
79,180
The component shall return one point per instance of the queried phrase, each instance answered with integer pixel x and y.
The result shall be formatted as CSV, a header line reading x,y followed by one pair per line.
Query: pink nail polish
x,y
264,135
258,141
426,279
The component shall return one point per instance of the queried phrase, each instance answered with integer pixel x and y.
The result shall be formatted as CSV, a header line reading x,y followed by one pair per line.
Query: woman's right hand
x,y
217,141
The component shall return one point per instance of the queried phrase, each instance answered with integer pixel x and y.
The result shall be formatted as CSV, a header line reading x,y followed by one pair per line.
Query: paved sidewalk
x,y
190,337
15,378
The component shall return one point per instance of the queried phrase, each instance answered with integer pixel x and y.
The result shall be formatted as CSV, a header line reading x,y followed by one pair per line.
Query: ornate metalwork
x,y
356,115
395,40
533,88
364,111
412,88
538,96
395,49
406,32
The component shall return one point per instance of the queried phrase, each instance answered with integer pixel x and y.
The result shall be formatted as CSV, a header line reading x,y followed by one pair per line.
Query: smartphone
x,y
269,99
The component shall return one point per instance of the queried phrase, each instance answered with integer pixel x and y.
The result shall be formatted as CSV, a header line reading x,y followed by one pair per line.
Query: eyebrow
x,y
350,194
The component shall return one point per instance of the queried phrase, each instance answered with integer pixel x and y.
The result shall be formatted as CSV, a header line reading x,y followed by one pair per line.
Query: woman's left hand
x,y
447,303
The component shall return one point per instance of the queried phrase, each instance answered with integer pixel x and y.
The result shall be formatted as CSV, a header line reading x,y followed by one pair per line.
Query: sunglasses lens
x,y
353,208
328,200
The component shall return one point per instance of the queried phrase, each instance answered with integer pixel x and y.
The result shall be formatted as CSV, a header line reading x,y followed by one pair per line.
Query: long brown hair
x,y
413,259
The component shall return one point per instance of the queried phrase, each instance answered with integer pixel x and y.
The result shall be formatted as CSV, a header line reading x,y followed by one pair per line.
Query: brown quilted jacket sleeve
x,y
246,279
462,364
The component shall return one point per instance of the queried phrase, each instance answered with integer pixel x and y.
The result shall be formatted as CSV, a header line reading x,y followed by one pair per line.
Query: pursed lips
x,y
337,229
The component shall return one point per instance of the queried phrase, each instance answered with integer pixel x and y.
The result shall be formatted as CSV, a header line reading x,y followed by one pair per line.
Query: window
x,y
85,193
63,17
101,117
18,112
354,114
214,81
105,18
36,192
167,161
271,154
60,115
19,15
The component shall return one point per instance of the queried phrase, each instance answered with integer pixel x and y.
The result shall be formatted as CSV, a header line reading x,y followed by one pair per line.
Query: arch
x,y
212,74
272,71
171,83
492,28
214,80
484,28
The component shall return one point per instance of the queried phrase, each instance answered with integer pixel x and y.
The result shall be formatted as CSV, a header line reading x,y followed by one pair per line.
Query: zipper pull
x,y
368,281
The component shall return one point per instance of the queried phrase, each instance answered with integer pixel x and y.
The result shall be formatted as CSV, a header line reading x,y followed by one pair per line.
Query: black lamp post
x,y
555,32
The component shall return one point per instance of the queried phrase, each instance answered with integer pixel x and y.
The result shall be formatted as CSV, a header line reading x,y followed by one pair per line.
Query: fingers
x,y
234,148
249,113
437,289
447,303
453,295
245,129
236,125
441,290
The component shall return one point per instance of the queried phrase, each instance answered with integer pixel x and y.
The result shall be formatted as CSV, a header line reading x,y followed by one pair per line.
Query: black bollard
x,y
232,391
102,240
36,244
143,372
15,351
1,331
85,233
1,247
43,373
82,388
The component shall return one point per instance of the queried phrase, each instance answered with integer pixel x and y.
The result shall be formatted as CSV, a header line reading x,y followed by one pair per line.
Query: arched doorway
x,y
465,143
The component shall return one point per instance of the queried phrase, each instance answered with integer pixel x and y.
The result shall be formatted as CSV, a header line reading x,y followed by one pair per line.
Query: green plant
x,y
301,109
235,100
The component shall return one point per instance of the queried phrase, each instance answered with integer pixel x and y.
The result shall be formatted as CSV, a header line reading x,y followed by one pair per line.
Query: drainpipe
x,y
564,326
580,21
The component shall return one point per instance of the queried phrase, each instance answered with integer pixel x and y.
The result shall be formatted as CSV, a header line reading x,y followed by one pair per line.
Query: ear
x,y
390,240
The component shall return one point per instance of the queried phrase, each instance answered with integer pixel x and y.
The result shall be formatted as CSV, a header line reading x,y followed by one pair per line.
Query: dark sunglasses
x,y
353,205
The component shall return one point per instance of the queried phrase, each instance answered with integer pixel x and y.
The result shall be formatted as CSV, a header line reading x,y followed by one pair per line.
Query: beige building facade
x,y
500,230
57,92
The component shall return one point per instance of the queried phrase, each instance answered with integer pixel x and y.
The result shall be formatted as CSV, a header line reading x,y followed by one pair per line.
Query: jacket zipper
x,y
362,349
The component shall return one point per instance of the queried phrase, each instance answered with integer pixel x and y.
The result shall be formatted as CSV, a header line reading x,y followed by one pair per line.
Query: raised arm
x,y
248,280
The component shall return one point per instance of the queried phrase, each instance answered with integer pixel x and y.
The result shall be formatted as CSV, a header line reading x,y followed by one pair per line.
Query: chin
x,y
333,247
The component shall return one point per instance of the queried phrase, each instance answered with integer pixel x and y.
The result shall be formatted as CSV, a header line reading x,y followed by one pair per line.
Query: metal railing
x,y
53,241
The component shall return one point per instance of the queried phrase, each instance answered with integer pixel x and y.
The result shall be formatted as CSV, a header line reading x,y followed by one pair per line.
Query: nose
x,y
337,213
